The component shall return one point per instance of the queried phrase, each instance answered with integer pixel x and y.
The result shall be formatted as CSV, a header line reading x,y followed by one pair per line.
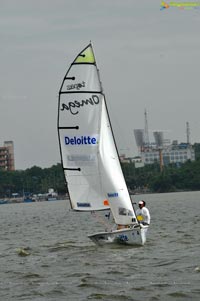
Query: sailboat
x,y
89,154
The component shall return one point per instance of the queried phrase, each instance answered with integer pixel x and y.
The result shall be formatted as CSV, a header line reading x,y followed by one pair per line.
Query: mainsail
x,y
88,151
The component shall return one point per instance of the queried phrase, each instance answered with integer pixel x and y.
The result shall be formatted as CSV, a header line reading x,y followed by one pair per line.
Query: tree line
x,y
184,177
33,180
149,178
174,177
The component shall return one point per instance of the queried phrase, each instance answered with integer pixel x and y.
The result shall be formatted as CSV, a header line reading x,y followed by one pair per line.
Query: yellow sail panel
x,y
87,56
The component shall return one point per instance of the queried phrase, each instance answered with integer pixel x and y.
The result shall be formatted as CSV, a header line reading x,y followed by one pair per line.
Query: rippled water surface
x,y
63,264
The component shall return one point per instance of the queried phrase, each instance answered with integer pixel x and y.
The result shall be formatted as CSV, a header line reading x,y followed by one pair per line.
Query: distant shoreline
x,y
19,200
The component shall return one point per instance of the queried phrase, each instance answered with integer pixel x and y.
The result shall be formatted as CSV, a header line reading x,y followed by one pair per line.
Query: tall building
x,y
7,156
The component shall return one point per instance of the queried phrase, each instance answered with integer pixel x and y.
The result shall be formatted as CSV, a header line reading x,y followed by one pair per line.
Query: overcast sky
x,y
148,59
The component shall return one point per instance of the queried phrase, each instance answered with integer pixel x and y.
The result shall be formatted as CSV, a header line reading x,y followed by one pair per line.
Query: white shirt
x,y
144,212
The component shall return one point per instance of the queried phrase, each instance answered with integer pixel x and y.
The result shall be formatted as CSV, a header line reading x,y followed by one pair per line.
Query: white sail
x,y
89,156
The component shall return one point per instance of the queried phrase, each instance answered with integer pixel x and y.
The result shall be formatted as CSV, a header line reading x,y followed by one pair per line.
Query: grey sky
x,y
147,59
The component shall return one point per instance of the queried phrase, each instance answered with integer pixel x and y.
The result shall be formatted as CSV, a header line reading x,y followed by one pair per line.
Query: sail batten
x,y
88,151
68,127
71,92
83,63
67,168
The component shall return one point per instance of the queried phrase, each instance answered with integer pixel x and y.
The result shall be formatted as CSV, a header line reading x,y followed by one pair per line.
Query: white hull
x,y
133,236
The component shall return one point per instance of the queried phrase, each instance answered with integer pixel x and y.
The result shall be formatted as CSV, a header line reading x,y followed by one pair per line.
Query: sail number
x,y
123,237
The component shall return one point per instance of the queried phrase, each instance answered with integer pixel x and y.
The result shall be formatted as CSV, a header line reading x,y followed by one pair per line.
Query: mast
x,y
69,127
58,129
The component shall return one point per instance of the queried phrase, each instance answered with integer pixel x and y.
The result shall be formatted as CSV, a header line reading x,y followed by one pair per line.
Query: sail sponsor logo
x,y
112,194
83,205
123,237
81,158
74,106
82,140
76,86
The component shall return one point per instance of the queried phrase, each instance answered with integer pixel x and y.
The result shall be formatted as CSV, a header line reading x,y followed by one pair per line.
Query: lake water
x,y
65,265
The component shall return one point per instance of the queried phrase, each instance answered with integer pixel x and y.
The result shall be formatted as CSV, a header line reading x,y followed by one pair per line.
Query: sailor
x,y
143,215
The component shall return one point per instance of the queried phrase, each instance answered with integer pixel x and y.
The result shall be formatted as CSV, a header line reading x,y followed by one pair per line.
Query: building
x,y
162,150
7,156
136,160
174,153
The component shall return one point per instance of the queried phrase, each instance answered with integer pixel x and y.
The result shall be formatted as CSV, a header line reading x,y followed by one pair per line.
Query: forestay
x,y
89,156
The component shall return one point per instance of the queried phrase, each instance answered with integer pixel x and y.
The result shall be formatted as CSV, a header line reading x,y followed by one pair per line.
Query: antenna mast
x,y
188,132
146,130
